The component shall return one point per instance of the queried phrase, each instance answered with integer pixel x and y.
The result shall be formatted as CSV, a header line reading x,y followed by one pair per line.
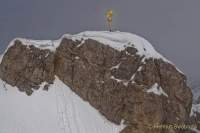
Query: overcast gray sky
x,y
172,26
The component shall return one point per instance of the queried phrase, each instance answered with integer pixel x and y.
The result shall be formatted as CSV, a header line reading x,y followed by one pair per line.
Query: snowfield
x,y
57,111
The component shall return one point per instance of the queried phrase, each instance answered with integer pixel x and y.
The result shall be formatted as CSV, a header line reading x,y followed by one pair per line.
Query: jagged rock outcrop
x,y
27,68
114,82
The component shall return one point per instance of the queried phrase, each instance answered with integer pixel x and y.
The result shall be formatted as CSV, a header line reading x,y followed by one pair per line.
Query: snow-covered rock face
x,y
119,74
117,40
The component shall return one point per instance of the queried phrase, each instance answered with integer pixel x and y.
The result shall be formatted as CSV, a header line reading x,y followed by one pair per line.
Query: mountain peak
x,y
120,74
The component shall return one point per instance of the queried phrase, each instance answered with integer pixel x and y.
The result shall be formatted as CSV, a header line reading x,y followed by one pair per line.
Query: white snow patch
x,y
82,42
41,44
77,58
139,69
1,57
195,108
115,67
125,82
118,80
132,77
156,89
59,110
47,54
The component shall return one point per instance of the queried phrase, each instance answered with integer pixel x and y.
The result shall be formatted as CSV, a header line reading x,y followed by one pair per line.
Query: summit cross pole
x,y
109,15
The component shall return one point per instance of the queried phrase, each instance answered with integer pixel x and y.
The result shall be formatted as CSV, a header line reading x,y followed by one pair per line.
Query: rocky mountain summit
x,y
119,74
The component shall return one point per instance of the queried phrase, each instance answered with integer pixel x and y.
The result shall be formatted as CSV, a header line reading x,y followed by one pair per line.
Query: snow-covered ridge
x,y
41,44
117,40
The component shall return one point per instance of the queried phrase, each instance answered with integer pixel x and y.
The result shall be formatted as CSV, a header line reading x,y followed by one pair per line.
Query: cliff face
x,y
123,85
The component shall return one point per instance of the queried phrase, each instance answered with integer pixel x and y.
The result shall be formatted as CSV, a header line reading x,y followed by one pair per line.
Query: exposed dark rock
x,y
27,67
46,87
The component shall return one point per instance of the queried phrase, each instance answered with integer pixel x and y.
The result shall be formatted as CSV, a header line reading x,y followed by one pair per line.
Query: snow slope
x,y
57,111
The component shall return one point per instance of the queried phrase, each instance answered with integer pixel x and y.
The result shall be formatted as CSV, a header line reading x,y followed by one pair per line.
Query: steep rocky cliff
x,y
119,74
